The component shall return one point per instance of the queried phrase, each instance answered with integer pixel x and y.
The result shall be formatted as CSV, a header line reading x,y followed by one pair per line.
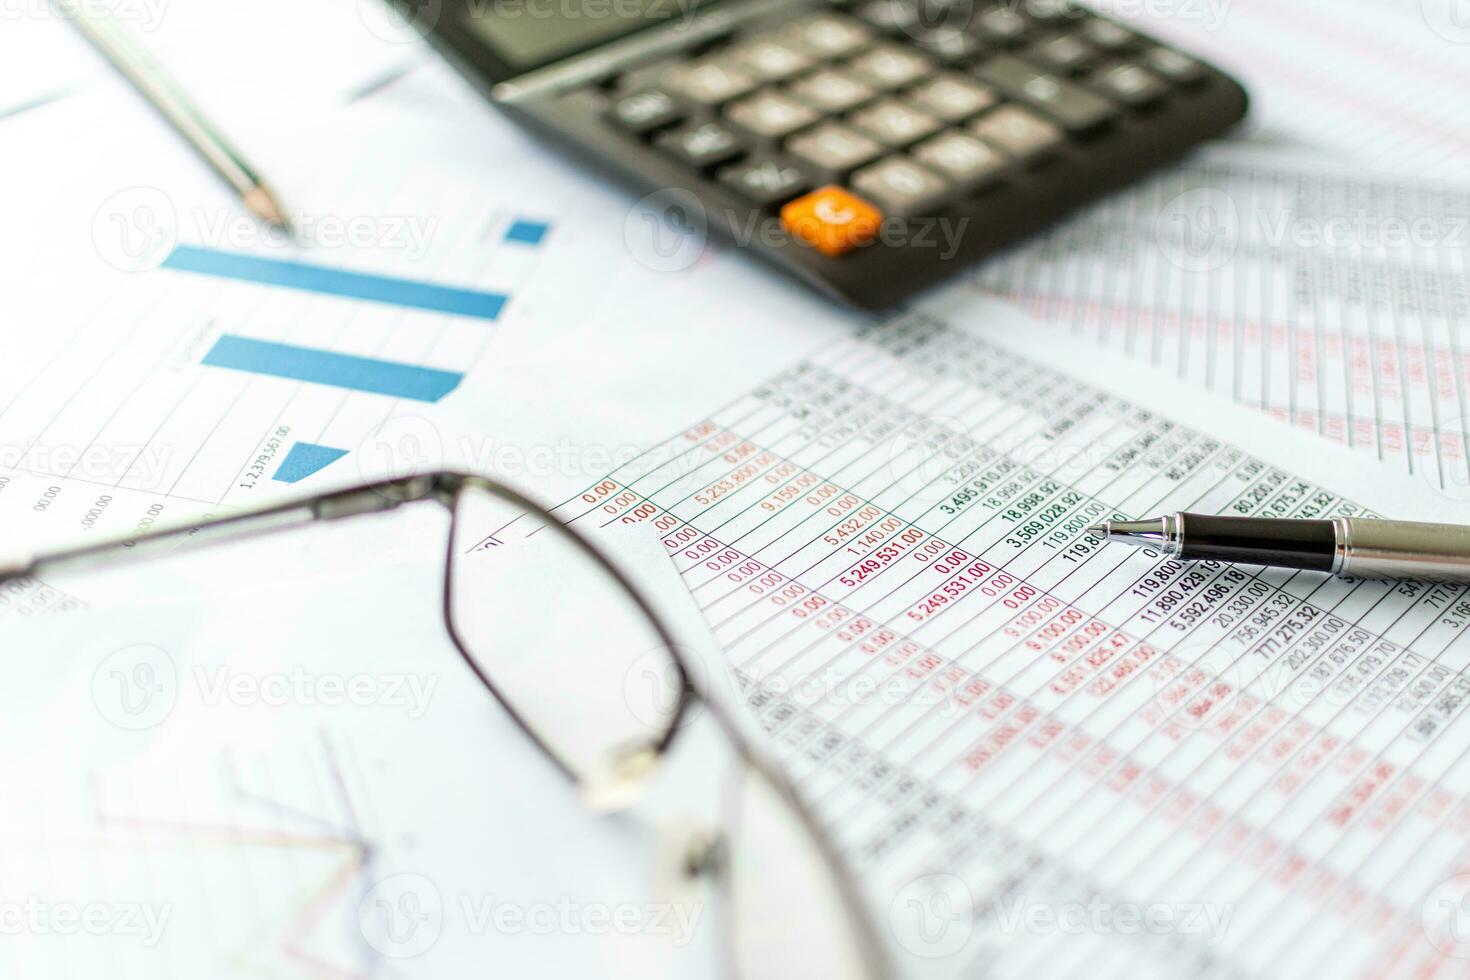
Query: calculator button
x,y
770,114
831,90
643,112
947,45
769,59
901,187
1071,105
1002,25
829,35
833,148
765,182
1065,53
963,159
1131,84
889,66
832,220
894,123
1106,34
890,16
710,82
1053,11
702,146
952,97
1174,66
1019,132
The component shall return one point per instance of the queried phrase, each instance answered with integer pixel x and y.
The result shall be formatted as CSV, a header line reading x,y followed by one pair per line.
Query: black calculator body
x,y
870,148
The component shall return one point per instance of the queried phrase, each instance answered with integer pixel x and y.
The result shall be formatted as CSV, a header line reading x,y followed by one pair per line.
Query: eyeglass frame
x,y
446,487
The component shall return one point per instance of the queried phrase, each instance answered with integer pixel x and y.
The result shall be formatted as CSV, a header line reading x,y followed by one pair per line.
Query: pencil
x,y
148,76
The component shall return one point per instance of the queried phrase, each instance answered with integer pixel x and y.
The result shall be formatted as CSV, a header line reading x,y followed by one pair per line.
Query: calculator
x,y
869,148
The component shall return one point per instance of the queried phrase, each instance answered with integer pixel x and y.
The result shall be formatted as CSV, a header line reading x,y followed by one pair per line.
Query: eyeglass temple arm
x,y
368,498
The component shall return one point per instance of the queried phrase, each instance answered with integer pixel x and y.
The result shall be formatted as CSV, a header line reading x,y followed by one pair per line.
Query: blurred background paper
x,y
239,59
343,800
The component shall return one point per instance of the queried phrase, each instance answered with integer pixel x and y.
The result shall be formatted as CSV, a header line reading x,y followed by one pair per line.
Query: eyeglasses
x,y
583,663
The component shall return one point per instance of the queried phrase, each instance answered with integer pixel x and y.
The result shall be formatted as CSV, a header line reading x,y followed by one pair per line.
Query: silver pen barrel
x,y
1375,549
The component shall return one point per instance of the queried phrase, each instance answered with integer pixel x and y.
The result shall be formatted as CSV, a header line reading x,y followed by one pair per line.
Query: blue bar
x,y
306,459
527,232
326,368
336,282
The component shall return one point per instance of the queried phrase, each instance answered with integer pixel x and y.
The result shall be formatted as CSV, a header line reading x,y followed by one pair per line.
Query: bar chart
x,y
227,374
306,459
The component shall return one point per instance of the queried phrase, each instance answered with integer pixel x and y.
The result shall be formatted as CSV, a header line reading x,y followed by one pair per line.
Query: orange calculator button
x,y
831,220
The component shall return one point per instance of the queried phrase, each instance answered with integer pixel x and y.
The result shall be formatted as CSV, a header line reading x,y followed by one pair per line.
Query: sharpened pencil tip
x,y
1101,530
263,204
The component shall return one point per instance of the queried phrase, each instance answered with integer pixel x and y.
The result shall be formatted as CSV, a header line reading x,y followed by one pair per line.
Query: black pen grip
x,y
1260,541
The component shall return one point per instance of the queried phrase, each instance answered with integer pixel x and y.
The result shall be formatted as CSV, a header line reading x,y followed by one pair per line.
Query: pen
x,y
1347,546
149,78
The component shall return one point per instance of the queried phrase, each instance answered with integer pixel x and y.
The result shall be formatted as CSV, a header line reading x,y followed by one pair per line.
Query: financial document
x,y
1315,265
193,361
235,61
1365,81
1333,299
1006,722
329,802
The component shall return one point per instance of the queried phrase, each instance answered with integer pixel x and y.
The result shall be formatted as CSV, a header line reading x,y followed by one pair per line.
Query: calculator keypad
x,y
953,97
1002,26
900,186
1131,84
643,112
832,220
894,123
900,107
710,82
834,149
890,66
1073,106
832,90
769,114
702,147
1064,52
829,35
1022,134
765,182
965,160
771,59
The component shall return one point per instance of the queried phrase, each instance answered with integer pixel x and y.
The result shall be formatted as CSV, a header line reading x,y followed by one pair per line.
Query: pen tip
x,y
263,204
1101,530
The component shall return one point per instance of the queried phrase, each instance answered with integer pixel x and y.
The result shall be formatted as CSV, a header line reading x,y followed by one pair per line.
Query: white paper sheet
x,y
1330,298
1006,724
304,783
117,411
239,62
1364,81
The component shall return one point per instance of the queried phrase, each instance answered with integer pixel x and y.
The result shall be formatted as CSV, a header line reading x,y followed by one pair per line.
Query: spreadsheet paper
x,y
1007,723
1333,299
